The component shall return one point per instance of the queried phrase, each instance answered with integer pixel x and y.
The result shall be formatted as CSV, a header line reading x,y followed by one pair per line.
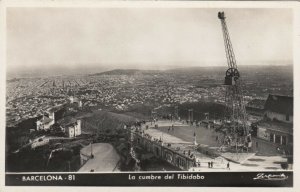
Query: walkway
x,y
105,158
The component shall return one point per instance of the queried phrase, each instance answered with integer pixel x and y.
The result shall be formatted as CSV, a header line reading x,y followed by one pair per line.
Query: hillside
x,y
125,72
104,120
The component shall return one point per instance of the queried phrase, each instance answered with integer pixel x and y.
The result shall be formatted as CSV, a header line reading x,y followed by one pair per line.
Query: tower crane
x,y
235,121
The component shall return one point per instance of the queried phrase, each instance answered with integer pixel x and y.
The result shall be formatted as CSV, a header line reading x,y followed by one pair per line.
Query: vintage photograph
x,y
122,89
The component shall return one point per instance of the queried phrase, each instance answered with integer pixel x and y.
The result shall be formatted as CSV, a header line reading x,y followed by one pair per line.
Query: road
x,y
105,158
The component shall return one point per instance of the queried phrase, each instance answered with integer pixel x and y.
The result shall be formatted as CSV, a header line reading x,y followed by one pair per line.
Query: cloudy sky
x,y
144,37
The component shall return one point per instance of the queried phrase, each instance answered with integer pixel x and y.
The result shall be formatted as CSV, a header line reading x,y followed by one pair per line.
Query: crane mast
x,y
237,132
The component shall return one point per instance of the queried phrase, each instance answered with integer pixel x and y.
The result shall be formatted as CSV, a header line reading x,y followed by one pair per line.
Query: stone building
x,y
45,122
71,126
275,131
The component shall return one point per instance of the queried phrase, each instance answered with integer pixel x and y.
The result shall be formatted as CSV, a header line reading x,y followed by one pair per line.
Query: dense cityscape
x,y
121,89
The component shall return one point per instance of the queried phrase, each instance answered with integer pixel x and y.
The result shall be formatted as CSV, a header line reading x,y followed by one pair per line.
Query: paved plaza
x,y
182,136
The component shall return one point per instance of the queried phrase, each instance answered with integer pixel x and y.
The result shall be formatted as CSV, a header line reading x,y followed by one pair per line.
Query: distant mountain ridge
x,y
125,72
213,69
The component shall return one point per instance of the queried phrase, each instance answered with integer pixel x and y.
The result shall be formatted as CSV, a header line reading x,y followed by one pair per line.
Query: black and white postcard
x,y
169,94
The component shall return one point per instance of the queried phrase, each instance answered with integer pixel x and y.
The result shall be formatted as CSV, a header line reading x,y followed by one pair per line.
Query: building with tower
x,y
47,120
71,126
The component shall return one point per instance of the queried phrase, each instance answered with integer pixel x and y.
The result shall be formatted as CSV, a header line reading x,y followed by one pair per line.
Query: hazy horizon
x,y
64,70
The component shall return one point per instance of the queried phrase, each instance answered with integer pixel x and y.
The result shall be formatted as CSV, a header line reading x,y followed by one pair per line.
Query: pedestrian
x,y
199,164
195,163
228,165
212,164
208,164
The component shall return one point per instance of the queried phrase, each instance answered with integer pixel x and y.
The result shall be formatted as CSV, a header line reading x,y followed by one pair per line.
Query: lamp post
x,y
92,155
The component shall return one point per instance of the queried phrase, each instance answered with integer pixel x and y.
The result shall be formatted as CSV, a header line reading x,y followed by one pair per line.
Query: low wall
x,y
208,151
264,147
159,150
